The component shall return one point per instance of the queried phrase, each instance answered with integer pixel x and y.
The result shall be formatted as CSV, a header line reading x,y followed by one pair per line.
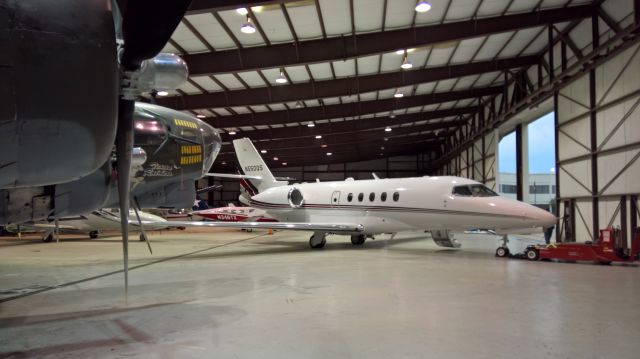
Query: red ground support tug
x,y
605,251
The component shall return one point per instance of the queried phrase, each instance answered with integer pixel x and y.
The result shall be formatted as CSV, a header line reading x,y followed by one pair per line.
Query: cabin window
x,y
383,196
372,197
360,197
462,191
350,197
479,190
396,196
475,190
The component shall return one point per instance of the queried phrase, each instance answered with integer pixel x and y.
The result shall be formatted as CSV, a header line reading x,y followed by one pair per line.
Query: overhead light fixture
x,y
311,124
162,93
248,27
284,163
231,133
388,129
318,137
329,153
406,64
281,79
392,115
298,104
200,115
263,151
423,6
275,158
323,145
386,139
382,148
242,11
224,162
398,94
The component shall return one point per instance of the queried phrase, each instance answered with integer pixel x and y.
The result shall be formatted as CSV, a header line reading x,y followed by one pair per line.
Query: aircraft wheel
x,y
48,238
93,234
358,239
313,243
502,252
532,254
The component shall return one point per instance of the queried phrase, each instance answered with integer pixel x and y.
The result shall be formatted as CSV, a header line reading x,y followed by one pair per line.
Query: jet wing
x,y
45,226
313,227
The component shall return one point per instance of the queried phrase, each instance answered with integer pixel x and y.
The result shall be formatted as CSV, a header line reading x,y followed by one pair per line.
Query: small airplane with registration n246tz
x,y
439,204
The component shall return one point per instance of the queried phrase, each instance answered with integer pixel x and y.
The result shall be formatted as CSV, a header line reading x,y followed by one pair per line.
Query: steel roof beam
x,y
289,153
353,154
347,126
442,129
346,47
340,87
353,109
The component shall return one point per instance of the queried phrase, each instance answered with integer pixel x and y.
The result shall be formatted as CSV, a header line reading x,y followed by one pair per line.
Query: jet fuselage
x,y
394,205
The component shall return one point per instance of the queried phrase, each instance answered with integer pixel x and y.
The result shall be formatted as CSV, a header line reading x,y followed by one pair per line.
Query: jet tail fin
x,y
252,164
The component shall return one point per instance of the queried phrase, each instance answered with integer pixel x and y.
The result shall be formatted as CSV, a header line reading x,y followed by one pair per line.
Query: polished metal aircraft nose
x,y
211,145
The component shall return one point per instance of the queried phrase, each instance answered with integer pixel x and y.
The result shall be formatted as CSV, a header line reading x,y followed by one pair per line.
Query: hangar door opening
x,y
537,163
542,162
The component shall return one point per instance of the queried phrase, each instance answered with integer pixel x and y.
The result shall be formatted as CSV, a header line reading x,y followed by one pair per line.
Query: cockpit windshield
x,y
474,190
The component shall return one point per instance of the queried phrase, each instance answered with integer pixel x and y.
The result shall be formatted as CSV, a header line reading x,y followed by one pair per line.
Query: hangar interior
x,y
477,71
331,89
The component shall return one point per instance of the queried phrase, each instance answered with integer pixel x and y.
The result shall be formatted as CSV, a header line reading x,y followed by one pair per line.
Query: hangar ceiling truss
x,y
341,65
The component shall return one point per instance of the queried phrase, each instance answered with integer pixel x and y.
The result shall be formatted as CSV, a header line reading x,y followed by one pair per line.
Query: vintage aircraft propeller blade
x,y
124,148
136,208
147,25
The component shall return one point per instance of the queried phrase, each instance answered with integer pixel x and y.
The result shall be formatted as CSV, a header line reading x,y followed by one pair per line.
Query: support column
x,y
594,134
522,163
623,221
556,127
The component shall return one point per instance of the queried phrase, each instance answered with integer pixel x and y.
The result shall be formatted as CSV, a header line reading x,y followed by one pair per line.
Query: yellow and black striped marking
x,y
185,123
190,155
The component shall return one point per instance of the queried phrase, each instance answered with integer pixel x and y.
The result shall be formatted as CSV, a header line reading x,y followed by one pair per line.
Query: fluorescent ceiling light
x,y
232,133
200,116
318,137
388,129
275,158
242,11
162,93
263,151
284,163
311,124
329,153
398,94
401,52
423,6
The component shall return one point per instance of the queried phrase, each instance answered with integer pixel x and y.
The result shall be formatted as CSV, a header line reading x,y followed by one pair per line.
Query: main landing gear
x,y
318,240
503,250
358,239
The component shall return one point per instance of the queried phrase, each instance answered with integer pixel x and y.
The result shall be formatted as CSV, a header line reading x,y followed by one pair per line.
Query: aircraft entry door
x,y
335,199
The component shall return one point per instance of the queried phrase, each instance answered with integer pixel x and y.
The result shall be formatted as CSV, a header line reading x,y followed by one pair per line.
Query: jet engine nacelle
x,y
295,198
58,90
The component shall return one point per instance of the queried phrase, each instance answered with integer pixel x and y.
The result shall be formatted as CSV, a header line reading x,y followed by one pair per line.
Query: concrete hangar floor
x,y
232,294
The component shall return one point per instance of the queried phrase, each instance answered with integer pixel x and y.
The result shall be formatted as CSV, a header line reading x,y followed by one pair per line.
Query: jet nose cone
x,y
544,218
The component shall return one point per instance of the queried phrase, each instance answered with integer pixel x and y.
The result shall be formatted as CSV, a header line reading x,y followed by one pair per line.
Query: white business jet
x,y
364,208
